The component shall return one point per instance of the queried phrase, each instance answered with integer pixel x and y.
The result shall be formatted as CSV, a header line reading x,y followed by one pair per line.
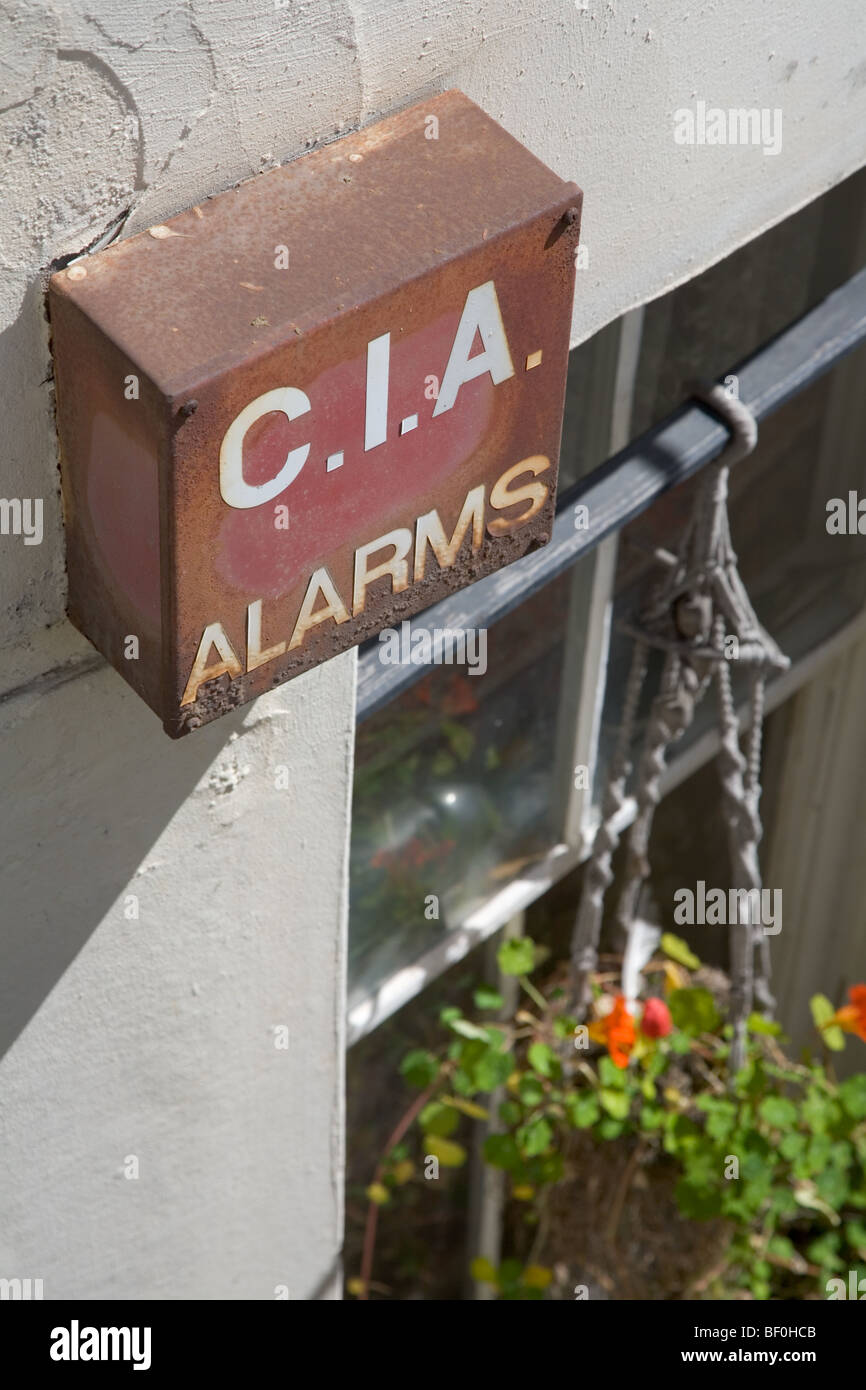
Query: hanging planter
x,y
700,617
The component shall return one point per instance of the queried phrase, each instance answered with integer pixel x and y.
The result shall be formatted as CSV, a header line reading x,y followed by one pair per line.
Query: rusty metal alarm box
x,y
313,405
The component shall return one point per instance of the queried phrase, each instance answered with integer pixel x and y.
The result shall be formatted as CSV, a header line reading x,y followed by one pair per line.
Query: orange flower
x,y
851,1018
617,1031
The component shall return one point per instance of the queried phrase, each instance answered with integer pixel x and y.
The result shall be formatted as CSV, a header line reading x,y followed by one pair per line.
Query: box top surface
x,y
358,218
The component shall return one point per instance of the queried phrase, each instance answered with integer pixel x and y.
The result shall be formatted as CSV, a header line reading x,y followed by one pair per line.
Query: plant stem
x,y
622,1191
400,1129
533,993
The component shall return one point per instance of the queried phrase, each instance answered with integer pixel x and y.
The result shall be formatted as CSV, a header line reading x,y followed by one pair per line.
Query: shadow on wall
x,y
89,782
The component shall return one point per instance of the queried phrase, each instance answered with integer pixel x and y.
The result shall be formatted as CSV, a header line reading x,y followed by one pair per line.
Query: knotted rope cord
x,y
693,611
598,875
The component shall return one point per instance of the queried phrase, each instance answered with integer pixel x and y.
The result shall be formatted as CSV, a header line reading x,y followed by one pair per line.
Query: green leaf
x,y
437,1118
782,1202
544,1060
778,1112
721,1119
582,1110
537,1276
465,1029
822,1012
782,1247
510,1112
463,1083
819,1153
482,1271
517,956
832,1184
852,1094
510,1272
610,1075
492,1069
824,1250
855,1234
501,1151
546,1168
616,1103
442,763
449,1154
821,1009
765,1026
564,1026
652,1117
696,1201
792,1146
419,1068
534,1137
819,1110
461,739
487,998
449,1013
530,1090
694,1010
466,1107
679,950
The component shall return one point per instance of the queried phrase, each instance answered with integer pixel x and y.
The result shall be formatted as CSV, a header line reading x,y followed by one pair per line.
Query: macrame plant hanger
x,y
698,605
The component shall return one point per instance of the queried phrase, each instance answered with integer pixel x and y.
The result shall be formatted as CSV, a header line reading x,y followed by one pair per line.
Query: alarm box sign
x,y
313,405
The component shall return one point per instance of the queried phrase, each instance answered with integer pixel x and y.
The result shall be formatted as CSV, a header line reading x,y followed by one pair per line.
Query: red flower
x,y
851,1018
656,1021
616,1030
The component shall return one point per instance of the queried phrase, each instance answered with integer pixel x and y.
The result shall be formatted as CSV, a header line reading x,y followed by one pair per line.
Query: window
x,y
474,793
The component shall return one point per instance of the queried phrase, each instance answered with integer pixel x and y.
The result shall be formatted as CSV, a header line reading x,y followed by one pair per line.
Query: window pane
x,y
455,790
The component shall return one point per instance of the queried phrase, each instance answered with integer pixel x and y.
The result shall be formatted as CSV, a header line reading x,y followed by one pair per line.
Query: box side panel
x,y
108,419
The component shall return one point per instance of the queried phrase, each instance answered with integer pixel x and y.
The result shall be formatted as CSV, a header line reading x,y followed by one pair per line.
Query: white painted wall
x,y
128,109
156,1037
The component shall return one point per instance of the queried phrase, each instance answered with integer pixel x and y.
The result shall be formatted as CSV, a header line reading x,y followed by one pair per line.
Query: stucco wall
x,y
151,1037
168,909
